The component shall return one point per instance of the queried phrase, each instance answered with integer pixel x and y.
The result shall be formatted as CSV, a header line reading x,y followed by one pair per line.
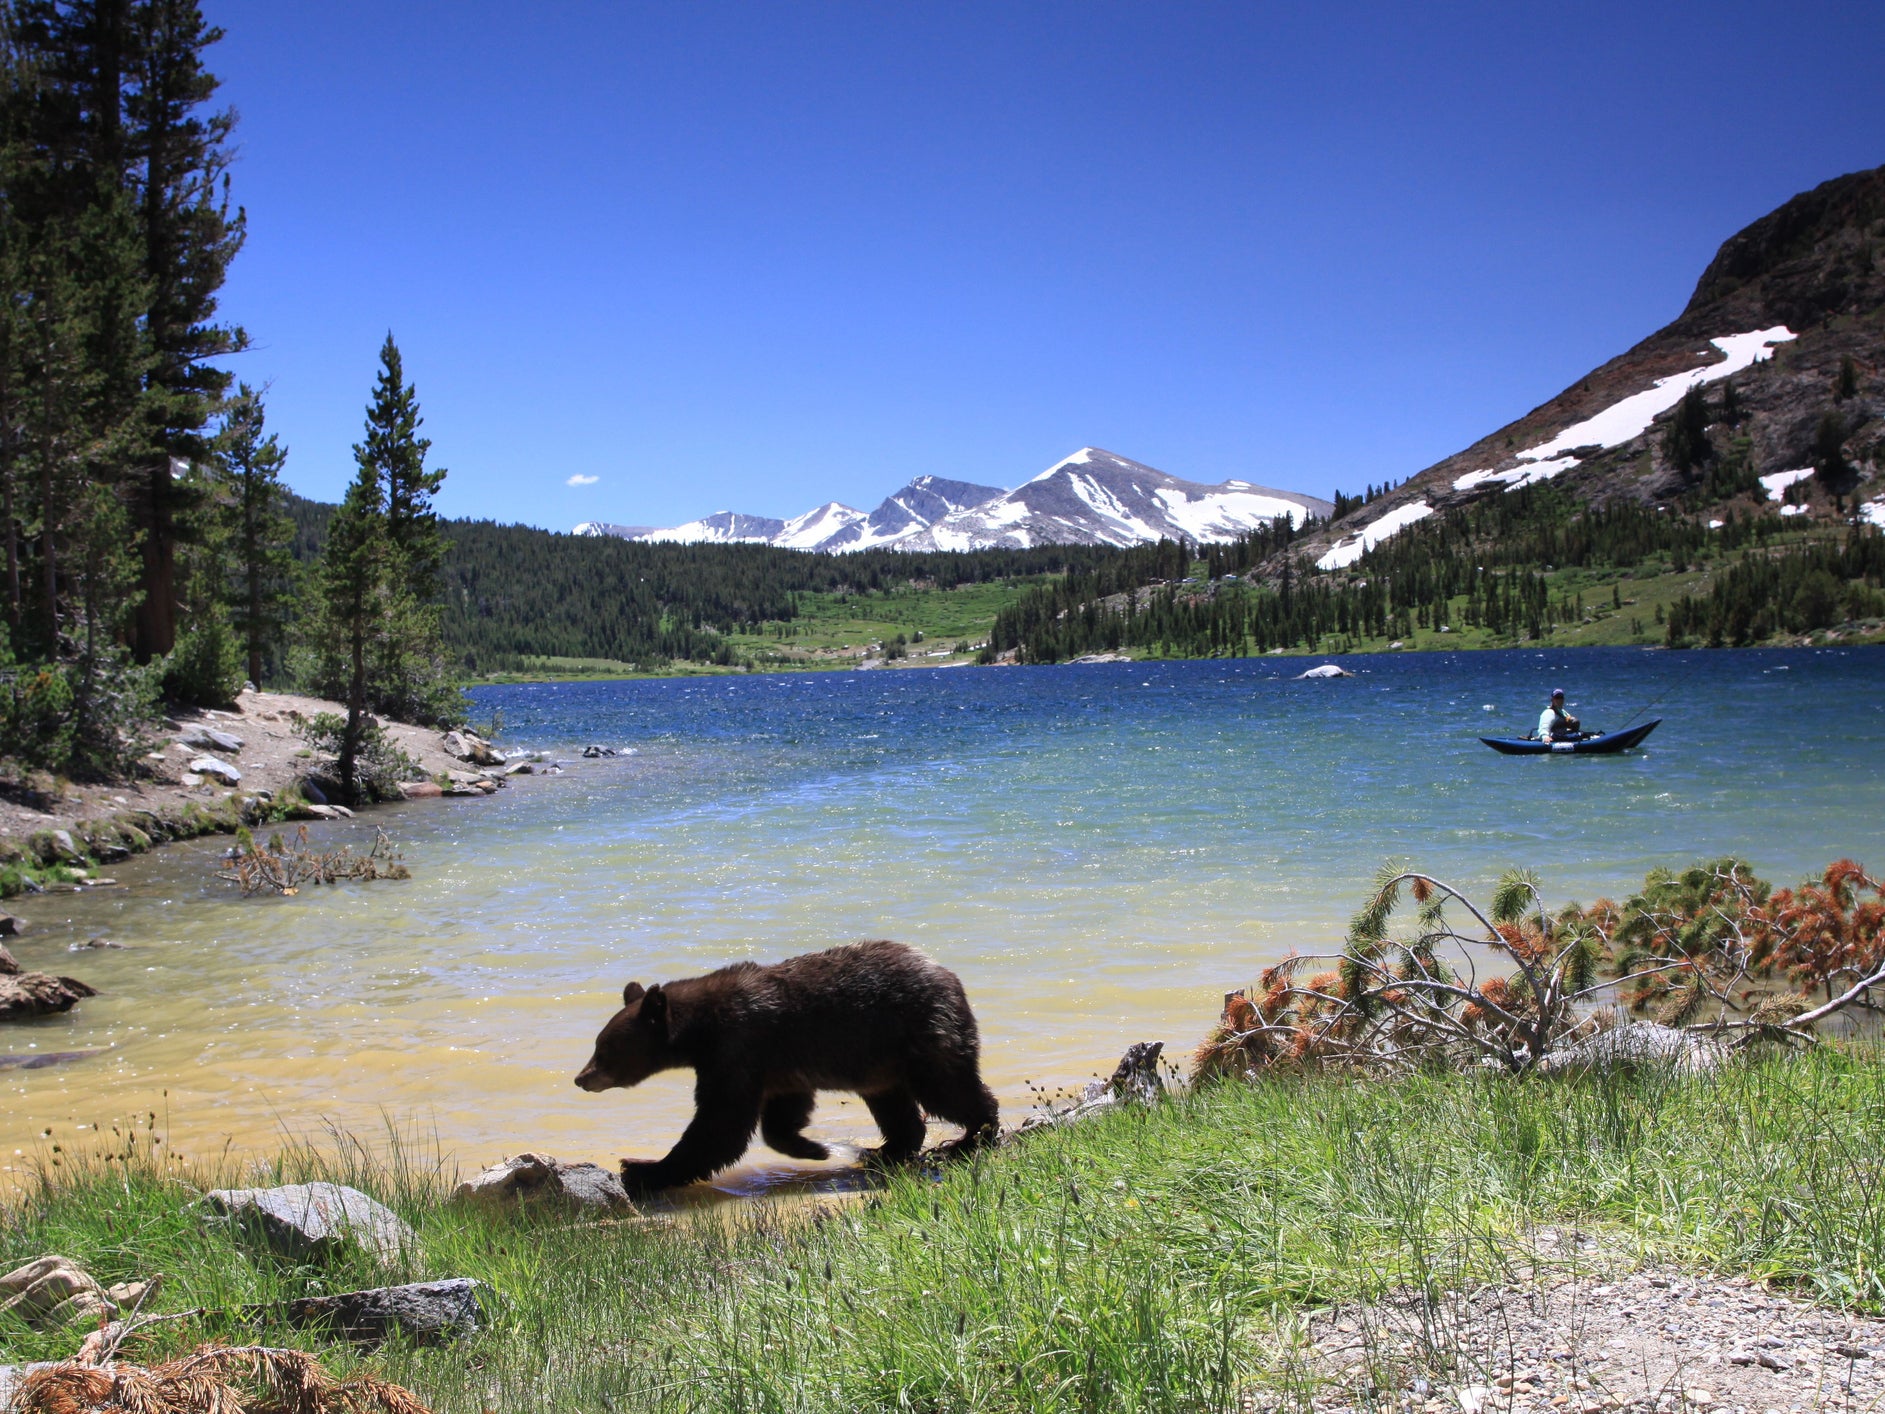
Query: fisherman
x,y
1556,724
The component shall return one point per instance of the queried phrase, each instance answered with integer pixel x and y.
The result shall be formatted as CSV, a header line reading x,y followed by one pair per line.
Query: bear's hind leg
x,y
897,1115
961,1098
782,1119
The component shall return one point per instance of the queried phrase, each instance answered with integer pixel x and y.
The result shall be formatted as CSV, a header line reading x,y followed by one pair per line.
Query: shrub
x,y
205,668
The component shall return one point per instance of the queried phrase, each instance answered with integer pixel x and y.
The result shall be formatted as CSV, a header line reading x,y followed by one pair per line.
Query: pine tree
x,y
1830,467
1846,385
353,581
260,534
1685,444
395,447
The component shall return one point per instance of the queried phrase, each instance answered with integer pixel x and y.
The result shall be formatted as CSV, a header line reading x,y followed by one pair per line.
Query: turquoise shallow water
x,y
1101,851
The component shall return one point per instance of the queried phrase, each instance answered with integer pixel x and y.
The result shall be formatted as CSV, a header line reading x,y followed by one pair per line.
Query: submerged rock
x,y
540,1178
312,1220
24,994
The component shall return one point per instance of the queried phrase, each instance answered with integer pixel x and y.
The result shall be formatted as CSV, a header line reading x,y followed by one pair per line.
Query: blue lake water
x,y
1101,851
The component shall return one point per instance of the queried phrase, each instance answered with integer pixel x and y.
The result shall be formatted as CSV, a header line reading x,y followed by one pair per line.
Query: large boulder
x,y
312,1220
426,1312
1327,670
538,1178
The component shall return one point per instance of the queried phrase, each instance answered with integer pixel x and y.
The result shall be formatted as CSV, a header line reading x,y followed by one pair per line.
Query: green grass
x,y
1143,1260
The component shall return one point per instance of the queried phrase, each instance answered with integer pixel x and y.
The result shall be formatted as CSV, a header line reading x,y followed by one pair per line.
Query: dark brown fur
x,y
876,1018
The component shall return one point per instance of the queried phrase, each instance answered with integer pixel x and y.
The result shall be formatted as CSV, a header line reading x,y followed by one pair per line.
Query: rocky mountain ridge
x,y
1093,497
1790,313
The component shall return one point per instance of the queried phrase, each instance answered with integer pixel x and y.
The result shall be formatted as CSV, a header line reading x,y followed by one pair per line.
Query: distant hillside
x,y
1783,341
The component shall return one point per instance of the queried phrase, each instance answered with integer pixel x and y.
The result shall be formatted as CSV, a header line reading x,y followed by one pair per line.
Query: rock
x,y
218,770
1101,658
52,1292
307,1220
94,945
469,746
419,790
540,1178
520,768
312,793
8,966
1327,670
426,1313
10,927
590,753
1639,1043
62,847
209,739
24,994
45,1060
314,812
189,778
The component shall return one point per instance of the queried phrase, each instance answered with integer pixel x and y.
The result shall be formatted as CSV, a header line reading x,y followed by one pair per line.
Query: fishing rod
x,y
1667,692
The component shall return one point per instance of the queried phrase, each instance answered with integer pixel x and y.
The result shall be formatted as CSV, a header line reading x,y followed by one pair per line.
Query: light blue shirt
x,y
1553,722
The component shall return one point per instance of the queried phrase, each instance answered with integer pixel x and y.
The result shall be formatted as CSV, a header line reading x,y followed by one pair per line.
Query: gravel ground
x,y
1592,1341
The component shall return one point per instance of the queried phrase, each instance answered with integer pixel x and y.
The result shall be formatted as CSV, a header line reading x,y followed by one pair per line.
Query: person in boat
x,y
1556,724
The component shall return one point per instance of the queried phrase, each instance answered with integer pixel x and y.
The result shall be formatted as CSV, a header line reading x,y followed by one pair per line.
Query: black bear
x,y
876,1018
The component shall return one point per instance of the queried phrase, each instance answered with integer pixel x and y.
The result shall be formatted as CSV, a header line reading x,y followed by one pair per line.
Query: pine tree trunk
x,y
155,631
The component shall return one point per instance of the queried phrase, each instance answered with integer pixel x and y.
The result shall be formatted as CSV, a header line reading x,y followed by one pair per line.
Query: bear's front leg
x,y
722,1127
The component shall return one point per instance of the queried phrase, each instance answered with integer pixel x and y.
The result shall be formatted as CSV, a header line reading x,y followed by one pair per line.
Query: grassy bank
x,y
1143,1260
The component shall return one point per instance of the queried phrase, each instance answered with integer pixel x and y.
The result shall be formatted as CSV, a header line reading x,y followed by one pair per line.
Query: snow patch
x,y
1630,417
1351,549
1779,481
1079,458
1716,524
1795,510
1873,513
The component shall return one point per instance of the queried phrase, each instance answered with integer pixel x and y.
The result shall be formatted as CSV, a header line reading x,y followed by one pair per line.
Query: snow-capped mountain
x,y
1096,497
1093,497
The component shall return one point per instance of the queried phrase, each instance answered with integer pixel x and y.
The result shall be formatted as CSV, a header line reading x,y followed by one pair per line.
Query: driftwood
x,y
1134,1081
285,868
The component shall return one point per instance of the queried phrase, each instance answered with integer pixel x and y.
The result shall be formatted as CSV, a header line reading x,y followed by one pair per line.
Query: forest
x,y
1487,566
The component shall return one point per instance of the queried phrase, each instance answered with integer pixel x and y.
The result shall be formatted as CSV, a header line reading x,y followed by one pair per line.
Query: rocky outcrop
x,y
217,770
538,1178
1327,670
312,1221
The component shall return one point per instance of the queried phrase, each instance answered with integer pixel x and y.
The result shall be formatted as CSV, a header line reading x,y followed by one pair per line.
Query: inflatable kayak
x,y
1588,744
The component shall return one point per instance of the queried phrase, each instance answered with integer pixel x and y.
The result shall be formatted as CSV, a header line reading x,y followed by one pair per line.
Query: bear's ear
x,y
631,994
654,1008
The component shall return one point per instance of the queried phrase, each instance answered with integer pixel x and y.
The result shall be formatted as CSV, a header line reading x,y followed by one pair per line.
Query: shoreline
x,y
59,836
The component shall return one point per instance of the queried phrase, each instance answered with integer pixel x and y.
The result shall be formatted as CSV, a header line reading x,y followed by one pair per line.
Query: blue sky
x,y
758,257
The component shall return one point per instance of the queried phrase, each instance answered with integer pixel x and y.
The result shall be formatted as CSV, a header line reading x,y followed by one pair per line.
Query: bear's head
x,y
634,1045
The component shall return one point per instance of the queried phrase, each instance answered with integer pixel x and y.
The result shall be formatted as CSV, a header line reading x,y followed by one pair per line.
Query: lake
x,y
1100,851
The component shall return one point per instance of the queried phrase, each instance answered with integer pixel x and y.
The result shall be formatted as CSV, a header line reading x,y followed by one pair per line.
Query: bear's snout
x,y
591,1078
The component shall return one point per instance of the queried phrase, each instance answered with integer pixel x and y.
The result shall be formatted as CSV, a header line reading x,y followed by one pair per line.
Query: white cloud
x,y
580,480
